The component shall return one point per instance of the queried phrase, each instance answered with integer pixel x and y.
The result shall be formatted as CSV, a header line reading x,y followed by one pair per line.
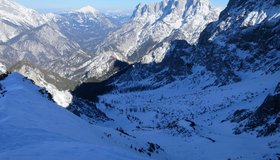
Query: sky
x,y
98,4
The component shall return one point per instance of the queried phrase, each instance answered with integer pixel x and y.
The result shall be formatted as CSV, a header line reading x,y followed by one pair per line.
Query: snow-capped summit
x,y
166,7
88,10
15,18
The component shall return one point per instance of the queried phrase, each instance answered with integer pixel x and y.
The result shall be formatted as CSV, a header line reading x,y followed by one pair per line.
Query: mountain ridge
x,y
134,41
12,24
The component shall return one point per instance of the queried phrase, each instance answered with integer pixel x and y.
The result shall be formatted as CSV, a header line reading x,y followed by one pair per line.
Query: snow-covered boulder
x,y
3,69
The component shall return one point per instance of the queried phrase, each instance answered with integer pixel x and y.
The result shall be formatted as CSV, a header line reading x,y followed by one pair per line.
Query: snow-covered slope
x,y
143,37
33,127
15,19
186,119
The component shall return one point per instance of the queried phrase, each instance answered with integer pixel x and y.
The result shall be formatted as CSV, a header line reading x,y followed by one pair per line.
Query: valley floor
x,y
165,116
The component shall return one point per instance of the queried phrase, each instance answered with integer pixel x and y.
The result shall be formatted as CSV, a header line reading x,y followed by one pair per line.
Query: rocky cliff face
x,y
264,119
144,38
245,38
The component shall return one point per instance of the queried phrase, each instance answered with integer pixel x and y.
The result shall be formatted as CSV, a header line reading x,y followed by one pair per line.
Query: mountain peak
x,y
167,6
88,10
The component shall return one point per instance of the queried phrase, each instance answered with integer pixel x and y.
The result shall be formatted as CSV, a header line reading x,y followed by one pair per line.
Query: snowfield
x,y
164,116
33,127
